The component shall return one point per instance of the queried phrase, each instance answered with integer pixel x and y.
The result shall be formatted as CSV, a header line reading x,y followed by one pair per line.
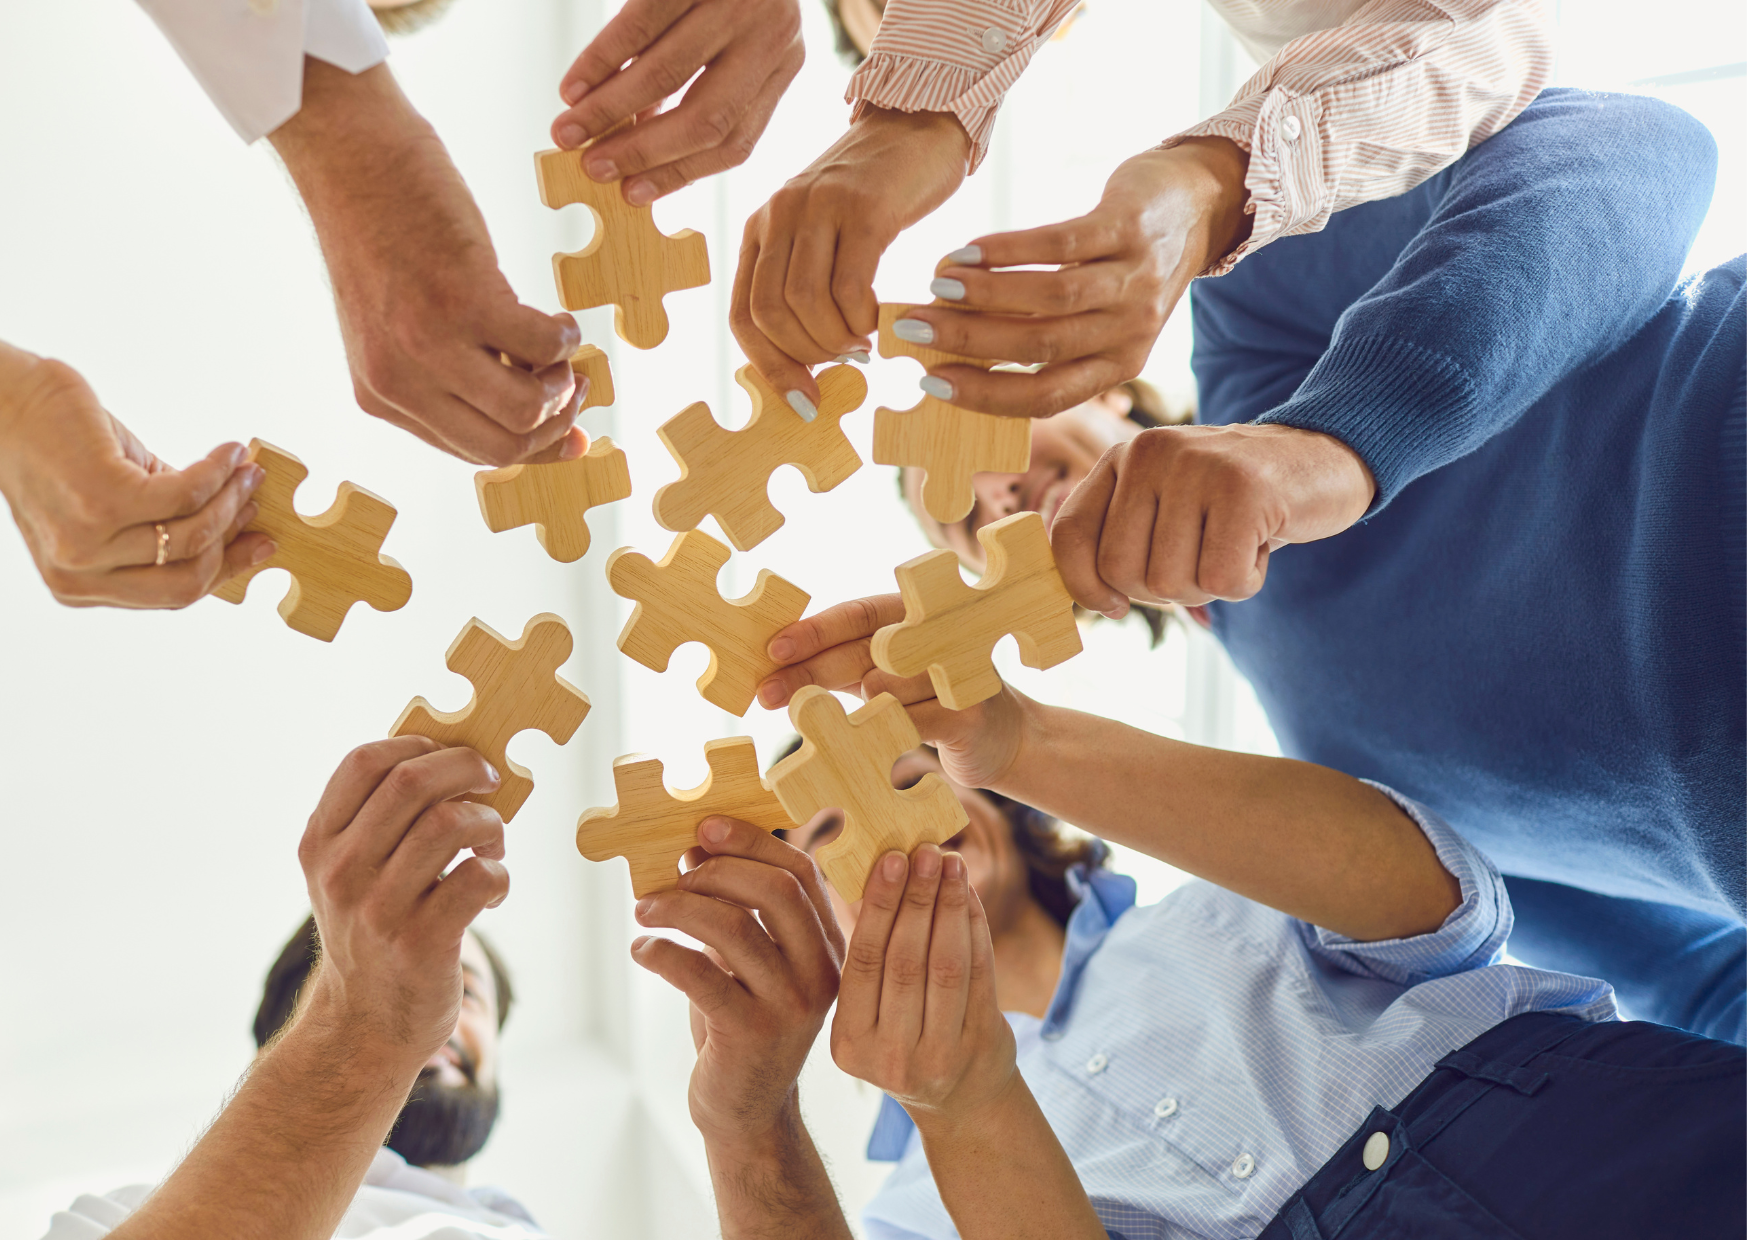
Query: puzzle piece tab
x,y
334,560
652,827
950,629
677,602
516,686
554,498
629,263
845,762
724,474
948,443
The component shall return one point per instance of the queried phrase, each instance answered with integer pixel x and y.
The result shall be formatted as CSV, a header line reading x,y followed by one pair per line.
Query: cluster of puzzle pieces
x,y
949,629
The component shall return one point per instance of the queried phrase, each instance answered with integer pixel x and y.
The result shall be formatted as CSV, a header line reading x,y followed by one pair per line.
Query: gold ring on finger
x,y
163,545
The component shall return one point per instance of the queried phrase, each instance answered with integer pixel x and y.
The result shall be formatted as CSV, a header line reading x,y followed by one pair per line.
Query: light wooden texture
x,y
335,560
724,474
629,263
948,443
677,602
554,498
516,686
652,827
950,629
590,362
845,763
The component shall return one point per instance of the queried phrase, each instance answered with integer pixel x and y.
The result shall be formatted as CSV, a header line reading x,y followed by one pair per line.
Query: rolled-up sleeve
x,y
248,54
1371,107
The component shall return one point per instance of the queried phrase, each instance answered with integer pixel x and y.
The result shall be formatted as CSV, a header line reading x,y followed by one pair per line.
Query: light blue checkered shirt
x,y
1202,1057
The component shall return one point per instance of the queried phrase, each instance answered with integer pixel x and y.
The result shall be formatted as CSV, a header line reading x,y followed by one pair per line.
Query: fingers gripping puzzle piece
x,y
724,474
334,560
950,629
948,443
652,827
554,498
845,762
629,263
677,602
516,686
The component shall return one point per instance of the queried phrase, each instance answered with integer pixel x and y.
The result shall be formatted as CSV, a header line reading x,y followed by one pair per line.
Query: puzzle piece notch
x,y
555,498
726,474
335,559
950,629
947,443
629,263
678,602
516,686
845,762
652,827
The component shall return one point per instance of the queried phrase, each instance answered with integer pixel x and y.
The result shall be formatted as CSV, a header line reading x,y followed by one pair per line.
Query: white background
x,y
160,767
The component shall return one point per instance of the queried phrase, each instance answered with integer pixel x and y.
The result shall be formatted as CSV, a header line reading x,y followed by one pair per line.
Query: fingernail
x,y
571,136
892,867
573,92
798,401
644,905
914,330
638,942
952,866
770,695
969,255
1116,613
492,774
714,830
252,478
855,355
951,290
264,552
603,170
936,386
781,649
926,863
238,453
575,445
640,193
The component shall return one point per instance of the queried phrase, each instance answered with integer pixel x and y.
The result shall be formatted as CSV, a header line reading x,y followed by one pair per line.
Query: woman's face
x,y
992,861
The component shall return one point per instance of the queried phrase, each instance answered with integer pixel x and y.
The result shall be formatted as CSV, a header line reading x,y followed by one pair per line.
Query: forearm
x,y
1315,843
774,1187
353,133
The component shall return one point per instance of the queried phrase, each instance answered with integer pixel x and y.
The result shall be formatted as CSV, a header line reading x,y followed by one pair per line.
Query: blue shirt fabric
x,y
1204,1055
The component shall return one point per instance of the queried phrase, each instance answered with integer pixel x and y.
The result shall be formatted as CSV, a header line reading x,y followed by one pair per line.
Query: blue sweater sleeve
x,y
1553,243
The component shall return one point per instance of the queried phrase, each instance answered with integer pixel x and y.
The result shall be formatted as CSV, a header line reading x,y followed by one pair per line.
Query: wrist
x,y
936,129
760,1150
347,123
984,1121
356,1035
1212,172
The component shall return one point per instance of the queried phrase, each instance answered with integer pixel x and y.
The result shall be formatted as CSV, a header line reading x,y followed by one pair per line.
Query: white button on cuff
x,y
1376,1151
1243,1165
1290,129
1165,1108
994,40
1097,1063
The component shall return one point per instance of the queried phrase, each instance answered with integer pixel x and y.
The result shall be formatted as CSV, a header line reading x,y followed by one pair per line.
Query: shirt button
x,y
1290,129
1376,1151
1243,1165
994,40
1053,1035
1165,1108
1097,1063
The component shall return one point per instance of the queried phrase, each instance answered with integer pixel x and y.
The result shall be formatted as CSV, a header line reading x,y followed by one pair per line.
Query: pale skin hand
x,y
285,1157
88,497
749,51
917,1017
426,316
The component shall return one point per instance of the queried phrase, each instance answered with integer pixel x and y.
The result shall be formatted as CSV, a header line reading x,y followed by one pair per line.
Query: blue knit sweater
x,y
1538,629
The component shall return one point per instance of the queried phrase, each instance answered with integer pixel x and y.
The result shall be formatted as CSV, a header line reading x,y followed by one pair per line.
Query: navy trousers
x,y
1546,1127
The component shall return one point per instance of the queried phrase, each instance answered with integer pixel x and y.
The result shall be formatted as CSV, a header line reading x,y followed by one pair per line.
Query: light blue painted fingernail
x,y
949,290
968,255
798,401
936,386
914,330
857,355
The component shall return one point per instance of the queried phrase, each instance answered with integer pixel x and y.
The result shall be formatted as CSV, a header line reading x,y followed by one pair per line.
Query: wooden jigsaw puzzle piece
x,y
678,602
629,263
950,629
516,686
554,498
725,474
591,363
652,827
845,762
947,443
334,559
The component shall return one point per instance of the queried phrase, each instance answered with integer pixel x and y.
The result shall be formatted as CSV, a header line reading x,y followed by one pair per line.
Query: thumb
x,y
1075,534
532,339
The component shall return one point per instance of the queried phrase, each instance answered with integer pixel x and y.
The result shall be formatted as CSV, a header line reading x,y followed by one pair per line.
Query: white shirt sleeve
x,y
248,54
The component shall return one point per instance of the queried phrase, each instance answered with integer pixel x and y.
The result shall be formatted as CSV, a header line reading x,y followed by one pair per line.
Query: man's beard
x,y
445,1125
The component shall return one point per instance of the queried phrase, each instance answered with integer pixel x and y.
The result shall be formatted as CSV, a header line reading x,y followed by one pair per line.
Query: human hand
x,y
761,989
804,289
89,498
1165,217
426,316
390,910
1186,514
749,50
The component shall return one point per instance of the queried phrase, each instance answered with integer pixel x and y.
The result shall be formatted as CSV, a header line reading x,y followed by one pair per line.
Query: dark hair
x,y
845,46
297,960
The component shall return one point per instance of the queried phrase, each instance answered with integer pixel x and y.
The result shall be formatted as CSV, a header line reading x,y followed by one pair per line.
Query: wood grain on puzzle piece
x,y
678,602
590,362
555,498
845,762
629,263
653,827
950,629
334,559
726,474
947,443
516,686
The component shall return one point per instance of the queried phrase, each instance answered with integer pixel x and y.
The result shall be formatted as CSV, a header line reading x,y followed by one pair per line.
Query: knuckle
x,y
713,126
405,782
864,957
905,971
